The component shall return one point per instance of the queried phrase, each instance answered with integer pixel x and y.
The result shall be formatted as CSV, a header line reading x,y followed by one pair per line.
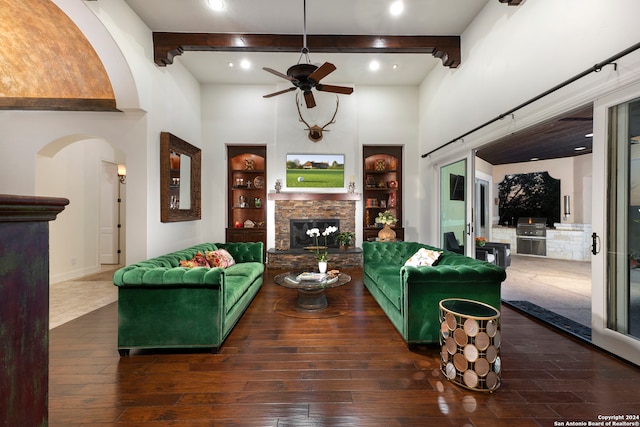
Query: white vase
x,y
322,266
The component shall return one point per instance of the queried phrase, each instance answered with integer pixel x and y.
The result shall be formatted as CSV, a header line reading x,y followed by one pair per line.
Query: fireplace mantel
x,y
314,196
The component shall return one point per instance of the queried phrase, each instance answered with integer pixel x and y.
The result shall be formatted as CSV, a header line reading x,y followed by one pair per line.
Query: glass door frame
x,y
468,238
624,346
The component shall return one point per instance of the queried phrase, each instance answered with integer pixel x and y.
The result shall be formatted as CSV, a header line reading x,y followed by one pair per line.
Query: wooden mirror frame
x,y
170,142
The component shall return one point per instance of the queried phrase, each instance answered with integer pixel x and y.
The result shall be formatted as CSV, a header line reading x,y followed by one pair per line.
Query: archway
x,y
77,167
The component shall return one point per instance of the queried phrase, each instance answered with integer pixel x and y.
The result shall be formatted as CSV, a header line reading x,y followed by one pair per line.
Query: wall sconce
x,y
122,173
567,206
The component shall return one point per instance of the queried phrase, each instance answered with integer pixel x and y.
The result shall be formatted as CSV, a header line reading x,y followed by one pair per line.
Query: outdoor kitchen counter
x,y
564,241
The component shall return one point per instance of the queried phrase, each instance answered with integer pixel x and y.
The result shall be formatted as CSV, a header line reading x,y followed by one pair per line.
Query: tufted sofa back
x,y
166,270
396,253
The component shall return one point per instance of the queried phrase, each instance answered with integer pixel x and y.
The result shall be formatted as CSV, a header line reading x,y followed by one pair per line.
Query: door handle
x,y
595,244
468,229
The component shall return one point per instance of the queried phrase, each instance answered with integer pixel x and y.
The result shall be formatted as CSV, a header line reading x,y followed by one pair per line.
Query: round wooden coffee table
x,y
311,293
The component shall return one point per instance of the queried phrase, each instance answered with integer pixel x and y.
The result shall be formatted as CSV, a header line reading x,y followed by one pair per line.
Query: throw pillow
x,y
220,258
424,257
198,260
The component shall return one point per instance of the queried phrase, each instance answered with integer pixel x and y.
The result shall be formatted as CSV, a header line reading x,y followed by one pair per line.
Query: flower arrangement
x,y
315,233
345,238
481,241
386,218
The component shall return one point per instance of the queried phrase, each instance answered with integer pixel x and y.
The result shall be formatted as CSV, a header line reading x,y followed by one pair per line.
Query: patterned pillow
x,y
198,260
424,257
220,258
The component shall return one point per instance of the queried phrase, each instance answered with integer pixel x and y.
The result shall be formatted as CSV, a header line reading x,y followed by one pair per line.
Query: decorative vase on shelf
x,y
322,266
386,233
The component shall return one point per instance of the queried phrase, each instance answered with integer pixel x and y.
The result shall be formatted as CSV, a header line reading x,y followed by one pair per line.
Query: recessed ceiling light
x,y
580,148
216,4
374,65
245,64
396,8
230,64
395,66
589,135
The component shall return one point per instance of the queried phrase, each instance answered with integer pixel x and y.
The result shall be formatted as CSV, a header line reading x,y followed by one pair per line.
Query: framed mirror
x,y
180,164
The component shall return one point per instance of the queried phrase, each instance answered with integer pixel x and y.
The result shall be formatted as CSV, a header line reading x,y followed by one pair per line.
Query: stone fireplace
x,y
321,209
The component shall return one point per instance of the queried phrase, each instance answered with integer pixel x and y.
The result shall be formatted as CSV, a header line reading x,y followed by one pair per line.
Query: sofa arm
x,y
244,251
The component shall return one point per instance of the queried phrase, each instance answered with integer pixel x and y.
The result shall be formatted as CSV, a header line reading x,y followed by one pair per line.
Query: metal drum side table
x,y
470,340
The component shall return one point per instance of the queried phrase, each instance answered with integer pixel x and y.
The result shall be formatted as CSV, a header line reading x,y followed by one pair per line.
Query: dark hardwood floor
x,y
346,366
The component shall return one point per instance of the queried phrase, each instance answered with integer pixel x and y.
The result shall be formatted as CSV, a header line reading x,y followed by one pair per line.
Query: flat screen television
x,y
456,187
315,170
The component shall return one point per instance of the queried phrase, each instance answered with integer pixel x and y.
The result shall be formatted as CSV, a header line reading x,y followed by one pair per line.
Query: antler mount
x,y
315,131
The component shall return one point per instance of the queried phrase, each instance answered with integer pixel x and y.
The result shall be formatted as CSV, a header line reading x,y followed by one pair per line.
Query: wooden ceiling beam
x,y
168,45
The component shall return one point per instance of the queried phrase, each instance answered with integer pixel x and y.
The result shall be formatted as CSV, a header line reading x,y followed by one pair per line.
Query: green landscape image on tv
x,y
315,170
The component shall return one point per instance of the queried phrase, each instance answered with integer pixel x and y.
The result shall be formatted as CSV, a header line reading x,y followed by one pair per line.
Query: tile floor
x,y
74,298
563,287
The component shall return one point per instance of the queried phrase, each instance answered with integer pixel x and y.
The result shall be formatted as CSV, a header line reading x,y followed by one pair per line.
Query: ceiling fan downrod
x,y
305,50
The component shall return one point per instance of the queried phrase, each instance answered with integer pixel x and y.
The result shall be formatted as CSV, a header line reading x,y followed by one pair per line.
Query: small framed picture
x,y
381,165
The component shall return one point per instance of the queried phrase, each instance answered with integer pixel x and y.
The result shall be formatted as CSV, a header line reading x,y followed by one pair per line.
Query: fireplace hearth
x,y
298,232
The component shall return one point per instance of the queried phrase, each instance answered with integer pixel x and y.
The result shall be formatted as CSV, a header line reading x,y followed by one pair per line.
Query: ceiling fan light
x,y
216,4
396,8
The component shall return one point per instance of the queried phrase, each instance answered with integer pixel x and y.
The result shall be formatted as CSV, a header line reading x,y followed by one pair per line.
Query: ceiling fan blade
x,y
309,99
277,73
280,92
322,72
335,89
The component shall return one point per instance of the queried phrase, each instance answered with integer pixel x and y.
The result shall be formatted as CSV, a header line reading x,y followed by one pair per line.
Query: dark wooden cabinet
x,y
247,193
382,187
24,307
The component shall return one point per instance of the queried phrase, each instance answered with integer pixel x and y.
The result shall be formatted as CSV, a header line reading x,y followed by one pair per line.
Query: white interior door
x,y
109,213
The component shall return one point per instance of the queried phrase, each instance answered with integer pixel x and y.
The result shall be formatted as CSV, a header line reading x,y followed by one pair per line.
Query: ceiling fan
x,y
306,76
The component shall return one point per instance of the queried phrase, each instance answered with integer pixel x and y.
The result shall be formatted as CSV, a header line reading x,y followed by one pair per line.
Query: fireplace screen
x,y
298,232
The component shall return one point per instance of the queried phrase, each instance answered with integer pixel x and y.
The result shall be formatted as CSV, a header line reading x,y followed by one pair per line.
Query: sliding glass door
x,y
616,275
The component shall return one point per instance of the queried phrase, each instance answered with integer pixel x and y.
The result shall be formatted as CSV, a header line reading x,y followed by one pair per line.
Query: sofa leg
x,y
124,352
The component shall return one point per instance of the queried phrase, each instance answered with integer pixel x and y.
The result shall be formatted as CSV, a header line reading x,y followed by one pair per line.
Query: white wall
x,y
512,54
389,115
239,115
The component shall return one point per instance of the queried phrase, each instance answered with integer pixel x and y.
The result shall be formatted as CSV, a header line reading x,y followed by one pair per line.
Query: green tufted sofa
x,y
410,296
162,305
